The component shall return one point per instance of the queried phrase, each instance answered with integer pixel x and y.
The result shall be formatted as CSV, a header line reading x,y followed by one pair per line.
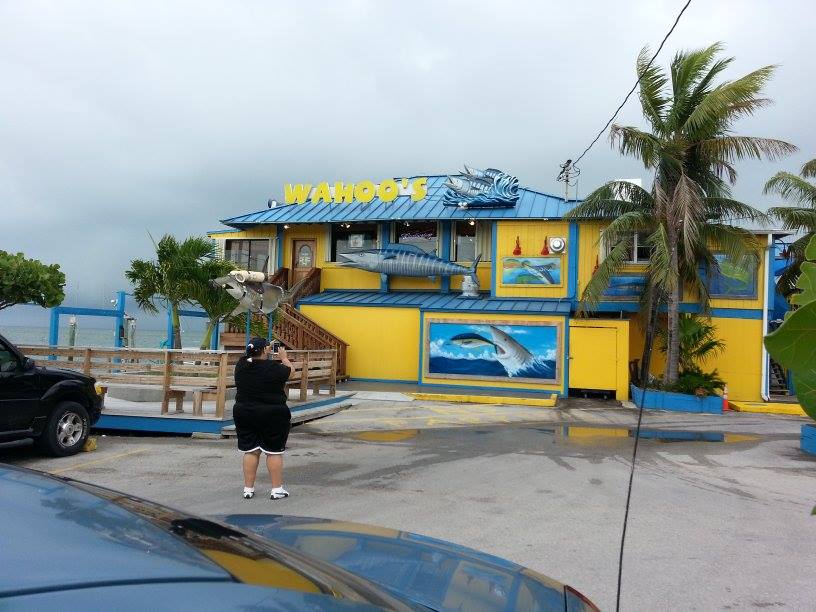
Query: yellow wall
x,y
740,365
531,236
383,342
482,272
517,319
335,276
258,231
617,370
589,233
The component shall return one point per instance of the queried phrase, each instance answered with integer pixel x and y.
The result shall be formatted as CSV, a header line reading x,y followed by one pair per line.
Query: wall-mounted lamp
x,y
271,203
407,224
472,222
286,226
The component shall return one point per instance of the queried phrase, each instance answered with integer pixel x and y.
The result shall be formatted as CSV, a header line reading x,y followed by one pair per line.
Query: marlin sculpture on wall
x,y
407,260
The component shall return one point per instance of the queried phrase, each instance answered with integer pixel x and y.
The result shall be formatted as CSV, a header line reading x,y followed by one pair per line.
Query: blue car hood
x,y
99,542
434,573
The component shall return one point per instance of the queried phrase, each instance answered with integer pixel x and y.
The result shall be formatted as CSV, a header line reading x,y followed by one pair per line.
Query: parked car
x,y
54,407
70,545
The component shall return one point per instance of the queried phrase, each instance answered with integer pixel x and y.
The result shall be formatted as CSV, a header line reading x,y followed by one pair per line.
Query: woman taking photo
x,y
261,415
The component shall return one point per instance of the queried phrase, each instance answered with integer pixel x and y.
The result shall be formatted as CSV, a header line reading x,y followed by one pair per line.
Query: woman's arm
x,y
284,358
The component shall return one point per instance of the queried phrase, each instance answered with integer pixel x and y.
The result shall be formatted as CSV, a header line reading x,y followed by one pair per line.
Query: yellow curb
x,y
488,399
768,408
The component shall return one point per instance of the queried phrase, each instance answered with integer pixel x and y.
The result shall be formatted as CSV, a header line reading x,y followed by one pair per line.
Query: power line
x,y
569,167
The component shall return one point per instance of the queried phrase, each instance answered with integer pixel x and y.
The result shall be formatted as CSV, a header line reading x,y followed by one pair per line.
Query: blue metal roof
x,y
433,300
531,205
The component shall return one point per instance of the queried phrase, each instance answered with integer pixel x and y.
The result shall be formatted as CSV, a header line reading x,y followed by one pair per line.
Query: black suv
x,y
54,407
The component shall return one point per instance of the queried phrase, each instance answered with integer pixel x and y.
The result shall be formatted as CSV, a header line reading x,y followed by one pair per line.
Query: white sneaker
x,y
248,493
278,493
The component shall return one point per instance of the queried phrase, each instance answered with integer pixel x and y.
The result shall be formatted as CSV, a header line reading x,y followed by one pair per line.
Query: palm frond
x,y
635,143
611,264
791,187
612,200
795,218
688,203
724,209
652,82
736,148
809,169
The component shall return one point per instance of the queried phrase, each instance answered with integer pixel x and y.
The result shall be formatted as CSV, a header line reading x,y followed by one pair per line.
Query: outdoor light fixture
x,y
286,226
270,203
472,222
407,224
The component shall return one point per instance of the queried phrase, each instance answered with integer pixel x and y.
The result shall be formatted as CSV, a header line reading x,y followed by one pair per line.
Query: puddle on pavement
x,y
386,435
595,434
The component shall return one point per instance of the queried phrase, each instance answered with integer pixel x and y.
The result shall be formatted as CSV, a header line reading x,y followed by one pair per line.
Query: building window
x,y
640,251
352,237
471,238
422,234
248,254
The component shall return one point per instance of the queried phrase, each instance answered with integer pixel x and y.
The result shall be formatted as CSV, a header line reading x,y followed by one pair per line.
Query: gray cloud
x,y
118,118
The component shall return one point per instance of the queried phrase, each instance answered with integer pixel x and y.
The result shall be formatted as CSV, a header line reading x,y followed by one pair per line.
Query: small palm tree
x,y
691,149
800,217
217,303
167,278
698,341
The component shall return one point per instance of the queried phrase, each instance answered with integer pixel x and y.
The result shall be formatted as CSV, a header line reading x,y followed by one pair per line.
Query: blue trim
x,y
421,344
160,424
279,234
248,327
215,336
170,327
494,232
320,403
572,264
565,368
723,313
807,441
445,249
770,300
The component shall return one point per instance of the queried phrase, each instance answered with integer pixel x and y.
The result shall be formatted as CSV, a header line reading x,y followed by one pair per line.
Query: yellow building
x,y
521,331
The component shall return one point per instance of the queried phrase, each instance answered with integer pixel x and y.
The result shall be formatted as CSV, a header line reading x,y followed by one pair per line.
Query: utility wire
x,y
634,87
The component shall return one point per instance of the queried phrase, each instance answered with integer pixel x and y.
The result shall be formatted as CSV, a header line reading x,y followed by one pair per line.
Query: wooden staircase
x,y
294,329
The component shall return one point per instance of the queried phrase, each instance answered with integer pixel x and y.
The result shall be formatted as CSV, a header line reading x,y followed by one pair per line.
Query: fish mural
x,y
252,291
732,280
474,188
466,350
531,270
407,260
625,287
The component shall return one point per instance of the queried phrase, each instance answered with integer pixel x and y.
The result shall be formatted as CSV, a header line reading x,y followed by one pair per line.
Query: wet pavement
x,y
720,513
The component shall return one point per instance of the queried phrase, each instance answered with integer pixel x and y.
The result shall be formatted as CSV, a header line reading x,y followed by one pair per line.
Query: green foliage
x,y
29,281
793,343
694,381
698,341
171,277
691,147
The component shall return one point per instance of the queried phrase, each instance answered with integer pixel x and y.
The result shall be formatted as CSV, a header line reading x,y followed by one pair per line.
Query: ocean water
x,y
87,336
488,367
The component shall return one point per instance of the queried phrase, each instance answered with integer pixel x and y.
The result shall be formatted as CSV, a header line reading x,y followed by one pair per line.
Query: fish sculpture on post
x,y
252,291
408,260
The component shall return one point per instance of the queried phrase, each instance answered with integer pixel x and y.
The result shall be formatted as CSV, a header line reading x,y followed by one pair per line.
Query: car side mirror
x,y
28,364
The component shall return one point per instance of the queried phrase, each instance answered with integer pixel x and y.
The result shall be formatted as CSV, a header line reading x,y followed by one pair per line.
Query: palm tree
x,y
691,150
167,279
800,217
698,340
217,303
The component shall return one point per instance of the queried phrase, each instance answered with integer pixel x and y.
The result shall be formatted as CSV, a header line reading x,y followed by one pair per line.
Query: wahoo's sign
x,y
364,191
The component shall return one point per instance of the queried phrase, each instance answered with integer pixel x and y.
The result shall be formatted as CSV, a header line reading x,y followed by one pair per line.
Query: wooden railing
x,y
207,374
308,285
280,278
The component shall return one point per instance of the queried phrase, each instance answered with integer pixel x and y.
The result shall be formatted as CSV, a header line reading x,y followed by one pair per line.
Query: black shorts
x,y
264,428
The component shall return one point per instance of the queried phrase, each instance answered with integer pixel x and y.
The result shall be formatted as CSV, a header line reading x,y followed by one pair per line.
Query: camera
x,y
275,345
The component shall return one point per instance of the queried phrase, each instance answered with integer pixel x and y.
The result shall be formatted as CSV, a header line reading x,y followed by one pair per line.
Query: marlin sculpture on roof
x,y
407,260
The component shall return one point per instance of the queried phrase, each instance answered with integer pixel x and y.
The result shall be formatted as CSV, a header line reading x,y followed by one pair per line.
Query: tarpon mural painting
x,y
407,260
531,271
493,350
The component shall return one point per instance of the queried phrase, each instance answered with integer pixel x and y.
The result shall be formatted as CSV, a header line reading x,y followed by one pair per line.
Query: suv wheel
x,y
66,431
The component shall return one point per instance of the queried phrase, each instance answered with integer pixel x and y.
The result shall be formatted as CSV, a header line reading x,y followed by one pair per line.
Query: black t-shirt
x,y
260,382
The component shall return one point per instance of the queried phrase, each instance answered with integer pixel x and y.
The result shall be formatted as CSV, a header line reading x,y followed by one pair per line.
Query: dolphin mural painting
x,y
252,291
542,272
407,260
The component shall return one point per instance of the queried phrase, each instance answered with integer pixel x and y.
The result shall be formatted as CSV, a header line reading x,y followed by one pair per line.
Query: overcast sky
x,y
119,118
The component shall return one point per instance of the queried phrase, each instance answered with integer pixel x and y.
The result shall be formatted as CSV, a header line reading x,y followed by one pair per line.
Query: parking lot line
x,y
100,460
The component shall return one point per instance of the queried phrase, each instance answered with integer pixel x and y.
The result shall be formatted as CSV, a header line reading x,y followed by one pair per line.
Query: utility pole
x,y
569,175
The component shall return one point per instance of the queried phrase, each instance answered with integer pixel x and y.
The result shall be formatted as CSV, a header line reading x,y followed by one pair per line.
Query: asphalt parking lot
x,y
722,521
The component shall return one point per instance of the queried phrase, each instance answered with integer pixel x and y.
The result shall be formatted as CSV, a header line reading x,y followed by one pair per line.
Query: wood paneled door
x,y
304,253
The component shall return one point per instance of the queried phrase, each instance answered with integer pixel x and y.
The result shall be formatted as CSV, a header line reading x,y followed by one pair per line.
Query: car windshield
x,y
251,559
